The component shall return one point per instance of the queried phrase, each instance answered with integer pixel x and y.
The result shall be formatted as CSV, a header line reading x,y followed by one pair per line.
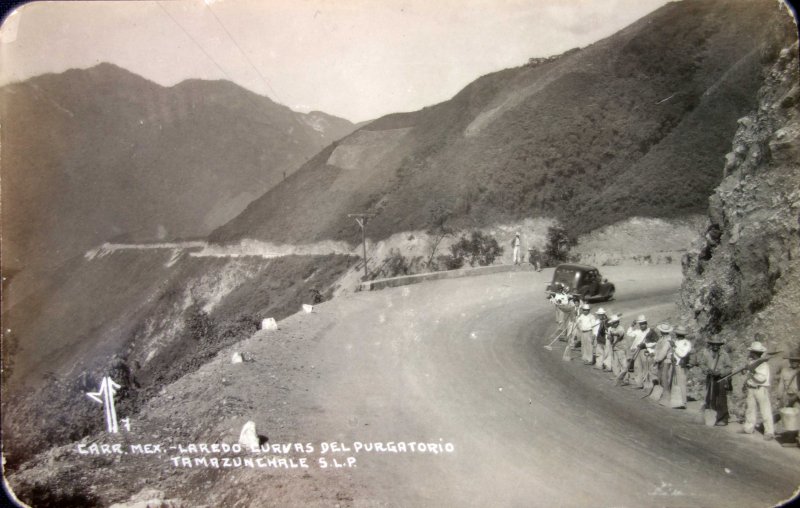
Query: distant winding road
x,y
461,361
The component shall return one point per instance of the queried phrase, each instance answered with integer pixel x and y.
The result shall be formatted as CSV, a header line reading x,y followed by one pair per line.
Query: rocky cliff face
x,y
743,277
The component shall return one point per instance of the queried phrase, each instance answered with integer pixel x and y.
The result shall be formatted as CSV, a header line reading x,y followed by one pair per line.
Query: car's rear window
x,y
567,276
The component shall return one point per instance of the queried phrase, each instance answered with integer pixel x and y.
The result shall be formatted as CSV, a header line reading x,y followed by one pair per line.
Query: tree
x,y
478,248
558,244
438,228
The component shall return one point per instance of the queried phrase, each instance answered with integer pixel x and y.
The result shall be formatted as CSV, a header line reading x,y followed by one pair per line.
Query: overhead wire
x,y
194,41
247,58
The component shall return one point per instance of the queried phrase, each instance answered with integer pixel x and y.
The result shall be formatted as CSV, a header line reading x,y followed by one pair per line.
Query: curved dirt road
x,y
454,362
462,362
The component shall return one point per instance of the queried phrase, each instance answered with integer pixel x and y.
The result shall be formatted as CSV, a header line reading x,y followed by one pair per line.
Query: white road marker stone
x,y
248,437
308,308
237,358
269,324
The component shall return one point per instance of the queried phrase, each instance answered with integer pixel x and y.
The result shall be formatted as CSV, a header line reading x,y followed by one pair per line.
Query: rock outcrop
x,y
743,277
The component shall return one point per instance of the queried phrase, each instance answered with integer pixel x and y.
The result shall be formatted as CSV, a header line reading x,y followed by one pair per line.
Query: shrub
x,y
396,265
438,228
448,262
558,244
478,248
199,323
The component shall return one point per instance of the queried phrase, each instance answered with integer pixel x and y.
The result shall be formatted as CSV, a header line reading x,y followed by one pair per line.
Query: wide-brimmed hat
x,y
600,311
664,328
757,347
713,341
586,306
641,319
794,355
613,318
681,331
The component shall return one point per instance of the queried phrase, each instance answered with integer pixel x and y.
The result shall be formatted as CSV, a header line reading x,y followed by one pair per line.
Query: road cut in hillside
x,y
440,394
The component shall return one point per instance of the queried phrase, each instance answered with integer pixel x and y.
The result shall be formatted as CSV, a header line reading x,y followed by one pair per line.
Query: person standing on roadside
x,y
756,387
644,341
585,324
616,345
716,364
662,359
789,381
600,331
682,359
517,249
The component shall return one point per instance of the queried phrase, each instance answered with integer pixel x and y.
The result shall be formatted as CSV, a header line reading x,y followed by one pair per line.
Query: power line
x,y
230,36
194,41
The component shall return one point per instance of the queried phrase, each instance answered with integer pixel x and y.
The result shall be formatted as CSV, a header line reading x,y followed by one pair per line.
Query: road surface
x,y
463,362
458,364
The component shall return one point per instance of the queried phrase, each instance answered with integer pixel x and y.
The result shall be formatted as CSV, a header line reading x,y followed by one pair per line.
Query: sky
x,y
357,59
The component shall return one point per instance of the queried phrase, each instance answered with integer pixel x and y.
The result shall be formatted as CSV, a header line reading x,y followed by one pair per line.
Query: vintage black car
x,y
582,280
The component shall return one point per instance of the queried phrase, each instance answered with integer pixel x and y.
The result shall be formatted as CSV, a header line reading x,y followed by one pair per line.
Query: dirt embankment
x,y
742,277
641,240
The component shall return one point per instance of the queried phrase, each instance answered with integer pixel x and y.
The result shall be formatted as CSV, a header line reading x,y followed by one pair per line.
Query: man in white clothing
x,y
681,361
644,339
757,387
585,324
600,329
517,251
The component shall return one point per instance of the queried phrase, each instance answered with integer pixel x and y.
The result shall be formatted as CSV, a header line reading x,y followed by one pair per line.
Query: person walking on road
x,y
517,250
756,387
585,325
716,364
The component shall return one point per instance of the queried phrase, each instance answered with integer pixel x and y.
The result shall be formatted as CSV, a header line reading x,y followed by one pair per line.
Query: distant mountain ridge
x,y
99,154
634,125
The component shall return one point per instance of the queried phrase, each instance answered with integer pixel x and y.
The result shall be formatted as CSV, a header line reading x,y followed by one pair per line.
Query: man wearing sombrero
x,y
644,340
757,385
716,364
789,381
585,324
681,361
615,343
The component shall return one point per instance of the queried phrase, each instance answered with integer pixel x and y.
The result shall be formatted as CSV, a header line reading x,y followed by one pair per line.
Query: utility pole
x,y
362,219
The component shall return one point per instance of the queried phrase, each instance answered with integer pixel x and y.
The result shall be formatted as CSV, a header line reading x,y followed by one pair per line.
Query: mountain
x,y
634,125
103,154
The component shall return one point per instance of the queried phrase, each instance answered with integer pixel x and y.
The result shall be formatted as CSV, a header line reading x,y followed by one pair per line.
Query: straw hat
x,y
641,319
664,328
601,311
614,318
757,347
586,306
715,341
681,331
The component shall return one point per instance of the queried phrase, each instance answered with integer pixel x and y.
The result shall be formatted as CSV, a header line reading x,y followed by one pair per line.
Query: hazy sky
x,y
358,59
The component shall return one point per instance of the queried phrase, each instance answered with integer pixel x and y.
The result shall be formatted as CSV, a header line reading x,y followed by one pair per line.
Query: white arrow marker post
x,y
105,396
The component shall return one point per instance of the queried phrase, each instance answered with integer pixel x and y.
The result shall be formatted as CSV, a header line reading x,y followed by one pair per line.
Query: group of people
x,y
647,358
